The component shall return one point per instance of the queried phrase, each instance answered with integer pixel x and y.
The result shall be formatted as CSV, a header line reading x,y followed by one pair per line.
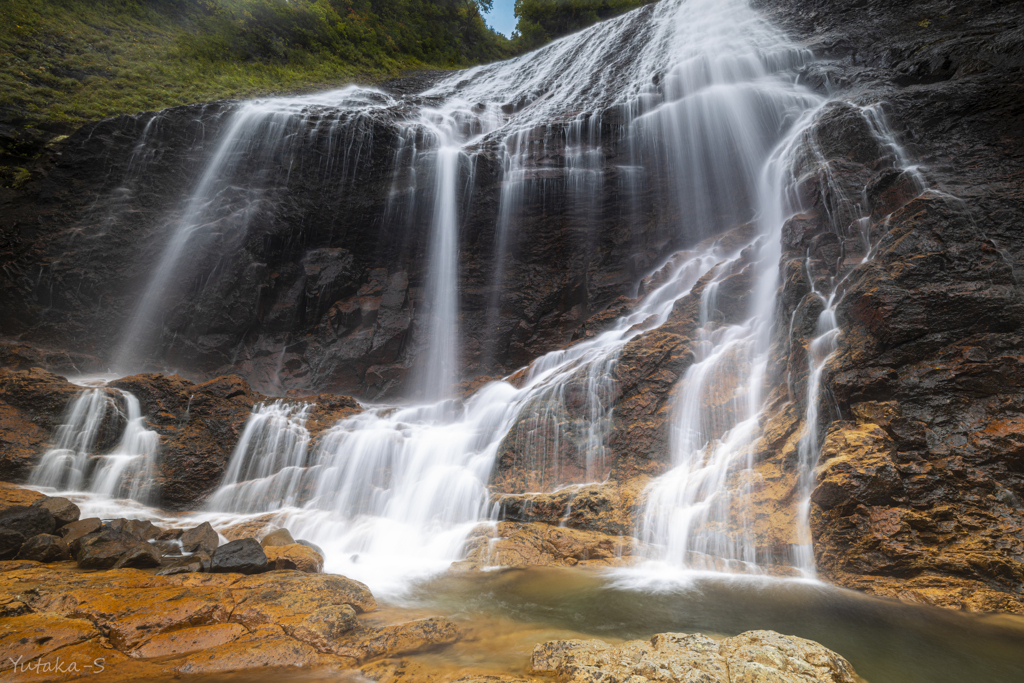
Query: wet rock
x,y
10,544
319,551
323,627
11,495
201,538
44,548
142,556
279,597
276,538
63,510
27,521
244,556
102,549
198,562
295,556
33,636
413,636
141,529
187,640
76,530
752,656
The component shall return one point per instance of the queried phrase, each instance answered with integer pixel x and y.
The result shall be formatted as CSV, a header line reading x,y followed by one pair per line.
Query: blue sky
x,y
501,17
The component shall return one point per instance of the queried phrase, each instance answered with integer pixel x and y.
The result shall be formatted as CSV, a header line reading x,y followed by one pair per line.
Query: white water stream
x,y
707,101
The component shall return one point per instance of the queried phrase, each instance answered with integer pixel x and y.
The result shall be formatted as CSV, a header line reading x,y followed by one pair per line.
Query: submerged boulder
x,y
764,656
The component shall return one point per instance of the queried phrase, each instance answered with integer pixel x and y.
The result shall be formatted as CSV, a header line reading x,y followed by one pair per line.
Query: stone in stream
x,y
27,521
45,548
202,537
244,556
63,510
275,538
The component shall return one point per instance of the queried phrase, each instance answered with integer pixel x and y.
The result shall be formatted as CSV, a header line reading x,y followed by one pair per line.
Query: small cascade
x,y
77,463
267,464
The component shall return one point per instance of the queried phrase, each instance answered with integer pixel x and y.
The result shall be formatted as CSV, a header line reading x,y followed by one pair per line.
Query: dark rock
x,y
10,544
202,537
142,556
27,521
170,535
142,529
75,530
244,556
104,548
199,562
63,510
45,548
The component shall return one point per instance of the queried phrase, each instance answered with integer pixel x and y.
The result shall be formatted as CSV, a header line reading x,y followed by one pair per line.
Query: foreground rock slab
x,y
751,657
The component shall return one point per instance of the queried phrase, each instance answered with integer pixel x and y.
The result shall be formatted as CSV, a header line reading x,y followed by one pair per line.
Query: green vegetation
x,y
64,62
541,21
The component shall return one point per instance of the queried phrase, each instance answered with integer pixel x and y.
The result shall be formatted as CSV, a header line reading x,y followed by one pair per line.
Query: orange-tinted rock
x,y
412,636
187,640
323,627
255,651
31,636
11,495
510,544
278,596
295,556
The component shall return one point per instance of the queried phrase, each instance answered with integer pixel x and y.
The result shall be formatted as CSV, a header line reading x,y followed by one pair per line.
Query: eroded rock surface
x,y
754,656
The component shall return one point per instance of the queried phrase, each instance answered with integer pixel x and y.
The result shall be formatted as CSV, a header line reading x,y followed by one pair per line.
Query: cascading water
x,y
73,465
703,96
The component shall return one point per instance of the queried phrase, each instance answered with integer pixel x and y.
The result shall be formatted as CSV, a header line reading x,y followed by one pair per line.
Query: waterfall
x,y
700,102
74,465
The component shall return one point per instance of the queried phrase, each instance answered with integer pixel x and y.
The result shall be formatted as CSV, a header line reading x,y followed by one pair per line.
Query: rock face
x,y
198,424
920,480
331,306
678,657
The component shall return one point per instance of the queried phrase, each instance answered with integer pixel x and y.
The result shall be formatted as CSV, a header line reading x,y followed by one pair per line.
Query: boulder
x,y
45,548
276,538
142,529
27,521
244,556
202,537
10,544
142,556
63,510
103,549
295,556
76,530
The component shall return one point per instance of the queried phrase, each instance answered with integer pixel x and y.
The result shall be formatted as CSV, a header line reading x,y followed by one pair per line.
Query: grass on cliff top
x,y
65,62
